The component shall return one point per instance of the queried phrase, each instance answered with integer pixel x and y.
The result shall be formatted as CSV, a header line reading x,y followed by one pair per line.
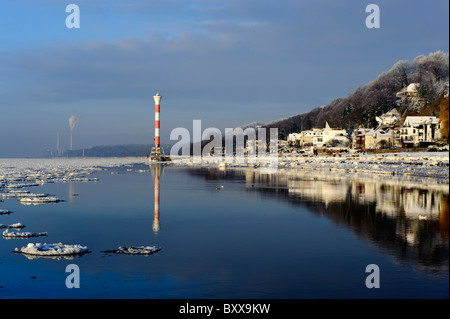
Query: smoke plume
x,y
72,121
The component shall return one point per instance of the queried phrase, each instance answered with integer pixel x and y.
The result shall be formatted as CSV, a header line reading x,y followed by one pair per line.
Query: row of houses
x,y
416,131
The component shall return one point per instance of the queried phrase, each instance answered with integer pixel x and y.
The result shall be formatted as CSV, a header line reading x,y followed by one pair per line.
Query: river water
x,y
233,234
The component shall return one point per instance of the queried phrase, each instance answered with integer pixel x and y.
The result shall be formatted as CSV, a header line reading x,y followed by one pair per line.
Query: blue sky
x,y
226,62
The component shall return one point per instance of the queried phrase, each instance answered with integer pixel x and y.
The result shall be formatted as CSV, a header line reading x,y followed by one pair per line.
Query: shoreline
x,y
433,165
406,165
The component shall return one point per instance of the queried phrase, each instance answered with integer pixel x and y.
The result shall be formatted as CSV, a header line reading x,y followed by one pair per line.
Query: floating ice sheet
x,y
58,249
16,225
8,234
39,200
135,250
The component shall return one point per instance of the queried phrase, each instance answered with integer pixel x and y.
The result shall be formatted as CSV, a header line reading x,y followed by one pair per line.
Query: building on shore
x,y
388,118
366,138
420,130
317,137
410,96
416,131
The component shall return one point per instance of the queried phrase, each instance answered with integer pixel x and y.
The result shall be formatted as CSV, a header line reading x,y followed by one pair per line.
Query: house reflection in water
x,y
406,219
443,218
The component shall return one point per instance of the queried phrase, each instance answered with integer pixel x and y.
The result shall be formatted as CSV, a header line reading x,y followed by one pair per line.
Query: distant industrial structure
x,y
58,153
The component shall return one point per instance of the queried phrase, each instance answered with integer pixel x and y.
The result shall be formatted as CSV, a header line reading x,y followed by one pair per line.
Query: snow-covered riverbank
x,y
402,164
434,165
427,164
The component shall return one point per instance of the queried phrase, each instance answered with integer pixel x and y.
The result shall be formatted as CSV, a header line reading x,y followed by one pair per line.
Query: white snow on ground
x,y
32,171
57,249
8,234
434,165
135,250
406,164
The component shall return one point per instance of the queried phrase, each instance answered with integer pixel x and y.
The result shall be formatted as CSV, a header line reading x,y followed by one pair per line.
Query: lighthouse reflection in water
x,y
157,171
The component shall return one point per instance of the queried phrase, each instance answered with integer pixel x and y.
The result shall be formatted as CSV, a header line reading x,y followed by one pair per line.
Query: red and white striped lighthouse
x,y
157,99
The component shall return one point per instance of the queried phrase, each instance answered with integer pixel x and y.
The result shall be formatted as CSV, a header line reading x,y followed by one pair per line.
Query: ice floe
x,y
5,212
39,200
20,185
57,249
18,174
8,234
135,250
15,194
16,226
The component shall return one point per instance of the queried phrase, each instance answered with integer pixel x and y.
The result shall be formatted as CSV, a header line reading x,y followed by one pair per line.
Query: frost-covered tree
x,y
435,64
401,73
361,107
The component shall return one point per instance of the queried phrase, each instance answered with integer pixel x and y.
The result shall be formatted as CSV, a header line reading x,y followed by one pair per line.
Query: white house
x,y
418,129
410,94
327,134
383,139
366,138
389,118
316,137
362,138
412,90
293,137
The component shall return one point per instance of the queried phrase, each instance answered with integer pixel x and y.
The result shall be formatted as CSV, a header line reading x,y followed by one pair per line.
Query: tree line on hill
x,y
361,107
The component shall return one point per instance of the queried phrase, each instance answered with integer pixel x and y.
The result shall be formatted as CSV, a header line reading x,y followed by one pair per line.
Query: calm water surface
x,y
256,236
